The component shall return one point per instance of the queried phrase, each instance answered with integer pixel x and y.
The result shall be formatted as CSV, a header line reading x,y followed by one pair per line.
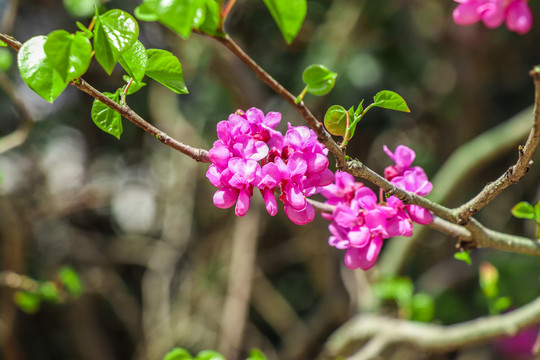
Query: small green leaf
x,y
145,12
256,354
69,54
177,15
106,118
319,79
2,44
178,354
86,32
28,302
288,15
397,288
71,281
115,32
335,120
134,61
523,210
166,69
422,308
81,8
489,280
501,304
209,355
6,59
360,108
37,71
537,211
211,18
463,256
49,292
390,100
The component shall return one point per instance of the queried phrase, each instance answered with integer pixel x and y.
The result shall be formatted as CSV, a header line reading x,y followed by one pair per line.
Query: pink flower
x,y
493,13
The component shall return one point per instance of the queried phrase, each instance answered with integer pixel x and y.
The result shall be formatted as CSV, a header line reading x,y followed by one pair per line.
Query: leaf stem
x,y
301,96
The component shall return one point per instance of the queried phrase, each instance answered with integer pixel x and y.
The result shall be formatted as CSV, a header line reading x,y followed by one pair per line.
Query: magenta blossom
x,y
250,153
516,14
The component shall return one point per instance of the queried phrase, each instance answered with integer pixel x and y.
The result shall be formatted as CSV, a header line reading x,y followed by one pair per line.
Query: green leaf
x,y
178,354
209,355
523,210
390,100
37,71
398,288
86,32
211,18
6,59
288,15
422,308
463,256
177,15
28,302
69,54
319,79
256,354
335,120
106,118
360,108
537,211
49,292
2,44
81,8
166,69
71,281
489,280
501,304
134,61
114,32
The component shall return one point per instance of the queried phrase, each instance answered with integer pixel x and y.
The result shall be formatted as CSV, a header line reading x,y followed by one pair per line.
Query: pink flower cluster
x,y
493,13
250,153
360,223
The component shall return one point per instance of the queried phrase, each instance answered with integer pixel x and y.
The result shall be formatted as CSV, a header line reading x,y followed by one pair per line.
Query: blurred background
x,y
161,266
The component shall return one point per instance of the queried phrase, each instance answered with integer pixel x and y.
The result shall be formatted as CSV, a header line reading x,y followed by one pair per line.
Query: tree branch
x,y
429,336
515,173
200,155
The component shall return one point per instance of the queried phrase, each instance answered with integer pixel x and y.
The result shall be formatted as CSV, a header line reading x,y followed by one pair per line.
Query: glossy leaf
x,y
177,15
211,17
178,354
134,61
319,79
390,100
27,301
335,120
166,69
106,118
523,210
71,281
209,355
463,256
6,59
288,15
81,8
115,32
360,108
37,71
69,54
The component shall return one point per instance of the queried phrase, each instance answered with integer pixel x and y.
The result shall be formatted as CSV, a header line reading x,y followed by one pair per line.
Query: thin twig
x,y
516,172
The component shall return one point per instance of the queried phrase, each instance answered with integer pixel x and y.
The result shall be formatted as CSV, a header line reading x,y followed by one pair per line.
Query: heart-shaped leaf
x,y
335,120
288,15
390,100
37,71
106,118
134,61
69,54
166,69
115,32
318,79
